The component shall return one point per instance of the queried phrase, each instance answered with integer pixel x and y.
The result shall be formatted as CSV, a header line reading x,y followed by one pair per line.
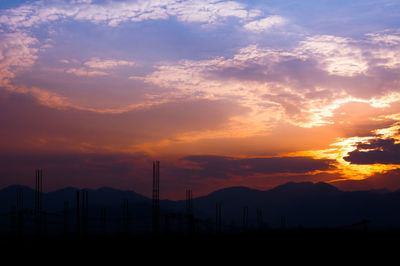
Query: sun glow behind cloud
x,y
343,146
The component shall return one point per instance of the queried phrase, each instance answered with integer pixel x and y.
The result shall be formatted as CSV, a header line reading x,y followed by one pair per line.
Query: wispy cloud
x,y
96,66
114,13
305,84
265,24
86,72
336,55
18,51
96,62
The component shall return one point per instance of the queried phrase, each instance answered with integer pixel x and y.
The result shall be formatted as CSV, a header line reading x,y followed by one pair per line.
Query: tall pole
x,y
245,217
66,212
38,212
125,216
189,211
218,222
156,196
283,222
78,218
104,220
20,211
189,201
259,218
85,212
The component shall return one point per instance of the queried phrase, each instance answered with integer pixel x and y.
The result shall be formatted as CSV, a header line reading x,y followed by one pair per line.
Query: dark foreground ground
x,y
278,244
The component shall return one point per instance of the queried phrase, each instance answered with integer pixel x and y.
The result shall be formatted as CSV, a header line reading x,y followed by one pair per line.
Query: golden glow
x,y
343,146
391,132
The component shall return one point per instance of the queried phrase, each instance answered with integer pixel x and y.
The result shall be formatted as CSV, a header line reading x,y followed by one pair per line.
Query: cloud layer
x,y
262,94
223,167
382,151
114,13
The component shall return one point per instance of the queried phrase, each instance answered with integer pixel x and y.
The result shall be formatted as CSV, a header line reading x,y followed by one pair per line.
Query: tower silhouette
x,y
189,211
245,218
125,216
38,211
156,196
218,220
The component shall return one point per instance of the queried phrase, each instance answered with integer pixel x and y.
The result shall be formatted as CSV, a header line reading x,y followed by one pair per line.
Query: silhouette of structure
x,y
189,211
245,218
13,218
167,224
85,211
260,222
23,222
283,222
38,211
189,201
103,217
156,197
78,215
218,220
20,211
82,212
66,219
125,216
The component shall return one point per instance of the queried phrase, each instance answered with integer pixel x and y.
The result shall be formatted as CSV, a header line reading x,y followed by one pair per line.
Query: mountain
x,y
302,204
8,197
103,196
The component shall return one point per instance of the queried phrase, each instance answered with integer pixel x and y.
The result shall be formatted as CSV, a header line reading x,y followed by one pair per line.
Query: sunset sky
x,y
222,93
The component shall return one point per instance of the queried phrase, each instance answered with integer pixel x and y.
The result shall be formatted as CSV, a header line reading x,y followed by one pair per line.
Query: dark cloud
x,y
224,167
383,151
290,70
134,171
24,122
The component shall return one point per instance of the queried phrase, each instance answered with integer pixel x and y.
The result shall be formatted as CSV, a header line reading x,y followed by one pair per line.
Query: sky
x,y
222,93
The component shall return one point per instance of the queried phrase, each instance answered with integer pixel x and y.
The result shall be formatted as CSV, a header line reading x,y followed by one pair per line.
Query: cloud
x,y
203,166
85,72
303,85
265,24
377,151
97,67
114,13
388,54
27,122
17,52
96,62
132,171
336,55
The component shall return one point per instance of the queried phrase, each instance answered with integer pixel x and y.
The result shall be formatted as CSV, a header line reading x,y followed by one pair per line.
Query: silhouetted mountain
x,y
98,198
293,189
103,196
233,195
54,201
381,191
303,204
306,204
8,197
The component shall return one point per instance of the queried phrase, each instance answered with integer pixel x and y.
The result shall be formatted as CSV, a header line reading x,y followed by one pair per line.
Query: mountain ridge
x,y
286,187
303,203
